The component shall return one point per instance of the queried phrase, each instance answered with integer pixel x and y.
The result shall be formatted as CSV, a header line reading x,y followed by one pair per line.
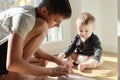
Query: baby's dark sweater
x,y
91,47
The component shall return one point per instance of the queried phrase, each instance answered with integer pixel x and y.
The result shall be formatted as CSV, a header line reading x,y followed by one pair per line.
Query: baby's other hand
x,y
61,56
93,62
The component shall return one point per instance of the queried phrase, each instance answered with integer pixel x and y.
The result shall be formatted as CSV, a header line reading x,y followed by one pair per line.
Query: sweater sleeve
x,y
71,47
97,48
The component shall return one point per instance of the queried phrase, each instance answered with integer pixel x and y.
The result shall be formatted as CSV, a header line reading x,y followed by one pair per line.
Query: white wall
x,y
95,10
76,10
109,25
118,17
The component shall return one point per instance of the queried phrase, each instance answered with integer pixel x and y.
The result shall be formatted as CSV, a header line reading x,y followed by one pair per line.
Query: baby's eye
x,y
81,31
86,31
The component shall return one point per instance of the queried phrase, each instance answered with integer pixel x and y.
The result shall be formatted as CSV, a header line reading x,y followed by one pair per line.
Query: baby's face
x,y
85,31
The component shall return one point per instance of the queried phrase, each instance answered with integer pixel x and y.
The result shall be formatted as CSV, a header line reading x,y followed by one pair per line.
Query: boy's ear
x,y
44,11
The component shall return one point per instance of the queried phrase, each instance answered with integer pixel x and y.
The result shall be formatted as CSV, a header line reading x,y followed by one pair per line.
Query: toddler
x,y
85,49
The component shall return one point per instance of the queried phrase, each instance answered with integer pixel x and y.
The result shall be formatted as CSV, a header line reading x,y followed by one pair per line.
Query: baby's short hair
x,y
85,18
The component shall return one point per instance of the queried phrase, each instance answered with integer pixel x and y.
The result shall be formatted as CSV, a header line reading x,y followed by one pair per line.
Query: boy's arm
x,y
15,62
42,54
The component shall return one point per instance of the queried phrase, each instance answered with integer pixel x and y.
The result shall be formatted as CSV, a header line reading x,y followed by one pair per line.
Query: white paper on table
x,y
74,77
70,77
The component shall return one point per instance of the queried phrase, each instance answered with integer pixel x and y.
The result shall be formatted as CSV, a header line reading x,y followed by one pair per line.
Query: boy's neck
x,y
38,14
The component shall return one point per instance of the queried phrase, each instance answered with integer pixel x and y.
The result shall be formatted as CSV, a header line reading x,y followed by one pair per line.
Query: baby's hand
x,y
93,62
61,56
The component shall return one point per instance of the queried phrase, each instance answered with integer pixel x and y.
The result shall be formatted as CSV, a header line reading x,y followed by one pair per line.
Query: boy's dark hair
x,y
61,7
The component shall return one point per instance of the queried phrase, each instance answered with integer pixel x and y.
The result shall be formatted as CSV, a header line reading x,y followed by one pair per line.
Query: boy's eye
x,y
86,31
55,20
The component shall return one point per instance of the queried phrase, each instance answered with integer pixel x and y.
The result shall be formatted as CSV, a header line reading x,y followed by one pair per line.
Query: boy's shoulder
x,y
41,24
27,10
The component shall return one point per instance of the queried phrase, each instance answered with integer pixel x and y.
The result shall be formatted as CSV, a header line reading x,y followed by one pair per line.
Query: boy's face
x,y
54,20
85,31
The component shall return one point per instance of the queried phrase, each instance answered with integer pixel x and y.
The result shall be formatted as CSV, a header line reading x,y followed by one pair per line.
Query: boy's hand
x,y
68,64
59,71
61,56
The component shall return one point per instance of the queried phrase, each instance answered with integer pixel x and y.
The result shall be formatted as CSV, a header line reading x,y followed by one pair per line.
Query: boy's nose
x,y
58,24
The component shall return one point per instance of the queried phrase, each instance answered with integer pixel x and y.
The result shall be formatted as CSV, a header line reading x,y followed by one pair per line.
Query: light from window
x,y
55,34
